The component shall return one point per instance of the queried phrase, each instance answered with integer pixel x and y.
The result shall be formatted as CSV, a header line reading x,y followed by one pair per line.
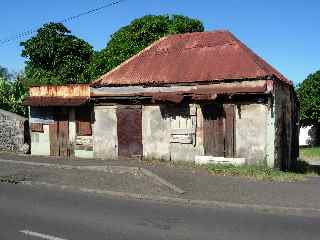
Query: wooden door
x,y
59,135
213,127
129,130
218,127
229,138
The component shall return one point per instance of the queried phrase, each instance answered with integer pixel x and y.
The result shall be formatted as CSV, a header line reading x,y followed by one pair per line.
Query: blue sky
x,y
285,33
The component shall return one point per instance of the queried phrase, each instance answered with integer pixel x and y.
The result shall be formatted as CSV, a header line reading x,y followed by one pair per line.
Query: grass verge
x,y
310,154
255,172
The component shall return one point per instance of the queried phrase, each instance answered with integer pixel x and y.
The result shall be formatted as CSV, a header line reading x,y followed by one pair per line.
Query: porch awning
x,y
55,101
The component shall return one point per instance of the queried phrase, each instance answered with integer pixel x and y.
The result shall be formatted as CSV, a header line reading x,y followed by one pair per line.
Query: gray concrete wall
x,y
155,134
40,142
270,134
251,132
83,147
105,138
167,137
11,132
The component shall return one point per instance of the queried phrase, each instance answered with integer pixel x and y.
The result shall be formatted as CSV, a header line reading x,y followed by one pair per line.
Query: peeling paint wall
x,y
155,134
72,126
40,142
251,132
83,147
270,133
105,138
170,135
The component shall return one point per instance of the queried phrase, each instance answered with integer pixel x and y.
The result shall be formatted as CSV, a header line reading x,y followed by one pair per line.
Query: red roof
x,y
191,58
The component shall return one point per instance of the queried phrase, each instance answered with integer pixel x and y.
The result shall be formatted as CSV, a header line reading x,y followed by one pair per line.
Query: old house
x,y
188,95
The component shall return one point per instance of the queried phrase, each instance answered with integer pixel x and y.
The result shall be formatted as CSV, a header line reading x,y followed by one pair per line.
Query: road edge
x,y
309,212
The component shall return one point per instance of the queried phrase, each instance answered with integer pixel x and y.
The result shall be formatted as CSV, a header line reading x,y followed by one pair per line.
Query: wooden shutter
x,y
83,118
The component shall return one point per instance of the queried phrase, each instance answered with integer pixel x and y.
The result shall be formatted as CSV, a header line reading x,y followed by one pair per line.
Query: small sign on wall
x,y
181,138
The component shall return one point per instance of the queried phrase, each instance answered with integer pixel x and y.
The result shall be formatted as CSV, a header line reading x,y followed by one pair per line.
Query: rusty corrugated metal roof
x,y
191,58
55,101
70,90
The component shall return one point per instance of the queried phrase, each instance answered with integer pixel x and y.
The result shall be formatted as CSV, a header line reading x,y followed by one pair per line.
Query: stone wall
x,y
12,132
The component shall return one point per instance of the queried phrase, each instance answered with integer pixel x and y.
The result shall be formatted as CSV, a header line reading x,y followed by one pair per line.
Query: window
x,y
183,123
83,121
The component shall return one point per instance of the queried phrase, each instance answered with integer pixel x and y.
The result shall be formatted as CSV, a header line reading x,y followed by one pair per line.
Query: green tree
x,y
309,97
139,34
54,56
12,92
4,73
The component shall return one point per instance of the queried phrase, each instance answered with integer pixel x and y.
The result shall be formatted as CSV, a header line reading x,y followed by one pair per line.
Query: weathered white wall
x,y
72,126
304,136
158,131
270,135
83,153
40,142
83,147
105,138
155,134
251,132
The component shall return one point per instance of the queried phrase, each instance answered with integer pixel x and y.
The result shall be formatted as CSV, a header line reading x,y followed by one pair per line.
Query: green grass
x,y
310,154
255,172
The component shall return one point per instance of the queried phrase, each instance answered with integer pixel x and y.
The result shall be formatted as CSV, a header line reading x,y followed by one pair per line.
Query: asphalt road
x,y
37,213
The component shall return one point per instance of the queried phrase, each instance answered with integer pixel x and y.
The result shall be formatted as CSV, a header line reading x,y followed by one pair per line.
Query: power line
x,y
24,34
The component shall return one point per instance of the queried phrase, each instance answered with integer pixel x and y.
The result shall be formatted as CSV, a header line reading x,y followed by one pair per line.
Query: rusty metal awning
x,y
177,93
55,101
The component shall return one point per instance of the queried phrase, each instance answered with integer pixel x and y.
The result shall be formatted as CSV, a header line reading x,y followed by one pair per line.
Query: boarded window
x,y
182,123
36,127
83,119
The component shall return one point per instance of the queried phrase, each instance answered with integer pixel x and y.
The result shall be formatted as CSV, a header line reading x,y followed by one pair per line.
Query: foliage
x,y
4,73
139,34
255,172
54,56
309,97
12,94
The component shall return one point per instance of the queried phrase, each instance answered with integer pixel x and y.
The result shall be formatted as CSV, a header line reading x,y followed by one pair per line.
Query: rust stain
x,y
55,101
198,92
167,97
191,57
74,90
